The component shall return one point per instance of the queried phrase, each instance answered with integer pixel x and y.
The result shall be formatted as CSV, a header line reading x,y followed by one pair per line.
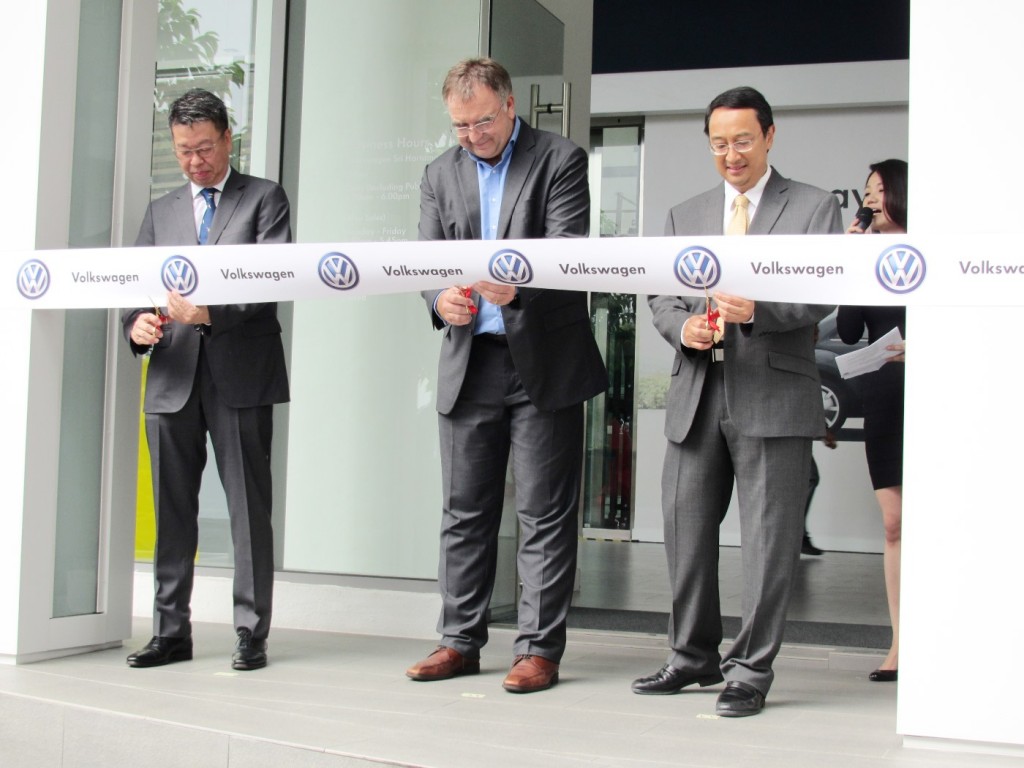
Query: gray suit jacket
x,y
549,334
771,380
243,348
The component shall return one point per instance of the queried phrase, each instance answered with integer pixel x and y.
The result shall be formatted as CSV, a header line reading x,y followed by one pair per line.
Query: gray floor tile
x,y
334,700
26,732
843,587
93,739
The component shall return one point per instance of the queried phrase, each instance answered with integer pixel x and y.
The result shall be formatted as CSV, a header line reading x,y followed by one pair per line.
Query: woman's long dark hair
x,y
893,174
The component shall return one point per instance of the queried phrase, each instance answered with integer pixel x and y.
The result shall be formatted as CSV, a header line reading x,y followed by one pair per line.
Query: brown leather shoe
x,y
529,674
442,664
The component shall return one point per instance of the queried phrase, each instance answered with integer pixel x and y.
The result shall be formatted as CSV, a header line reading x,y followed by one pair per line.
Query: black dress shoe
x,y
162,650
808,548
884,676
668,679
739,700
250,653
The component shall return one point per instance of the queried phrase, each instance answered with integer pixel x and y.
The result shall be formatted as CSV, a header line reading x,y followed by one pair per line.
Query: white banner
x,y
823,269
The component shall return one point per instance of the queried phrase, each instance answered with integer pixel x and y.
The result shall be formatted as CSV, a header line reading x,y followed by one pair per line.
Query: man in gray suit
x,y
216,369
747,408
516,365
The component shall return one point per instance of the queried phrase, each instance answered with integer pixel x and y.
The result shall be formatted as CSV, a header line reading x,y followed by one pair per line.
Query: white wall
x,y
19,202
45,56
963,521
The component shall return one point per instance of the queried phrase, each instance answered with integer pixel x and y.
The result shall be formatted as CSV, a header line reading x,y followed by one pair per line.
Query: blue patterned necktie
x,y
211,206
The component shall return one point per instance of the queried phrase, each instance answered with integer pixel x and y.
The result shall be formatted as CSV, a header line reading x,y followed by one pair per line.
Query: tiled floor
x,y
837,586
342,700
332,700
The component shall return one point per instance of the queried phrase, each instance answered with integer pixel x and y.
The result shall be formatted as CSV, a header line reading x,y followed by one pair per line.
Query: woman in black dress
x,y
886,194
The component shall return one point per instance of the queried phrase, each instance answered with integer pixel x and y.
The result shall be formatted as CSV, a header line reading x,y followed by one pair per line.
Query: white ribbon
x,y
822,269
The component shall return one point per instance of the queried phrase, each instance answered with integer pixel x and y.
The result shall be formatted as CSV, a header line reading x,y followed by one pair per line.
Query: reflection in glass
x,y
203,44
608,467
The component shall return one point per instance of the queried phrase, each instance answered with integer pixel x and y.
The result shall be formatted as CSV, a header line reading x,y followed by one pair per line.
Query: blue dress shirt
x,y
492,187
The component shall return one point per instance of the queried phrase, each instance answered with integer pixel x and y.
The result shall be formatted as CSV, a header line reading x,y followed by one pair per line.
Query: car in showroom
x,y
842,398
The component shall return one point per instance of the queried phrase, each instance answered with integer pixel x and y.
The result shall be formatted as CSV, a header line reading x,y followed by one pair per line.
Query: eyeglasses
x,y
482,127
203,153
720,148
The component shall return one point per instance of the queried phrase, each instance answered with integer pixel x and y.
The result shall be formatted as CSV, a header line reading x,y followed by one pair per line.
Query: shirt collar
x,y
219,186
753,194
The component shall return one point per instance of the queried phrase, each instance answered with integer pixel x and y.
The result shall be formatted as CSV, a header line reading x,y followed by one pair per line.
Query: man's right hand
x,y
453,306
146,331
697,334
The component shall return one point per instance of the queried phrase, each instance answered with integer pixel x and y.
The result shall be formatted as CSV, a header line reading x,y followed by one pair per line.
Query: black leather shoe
x,y
808,548
162,650
668,679
739,700
249,652
884,676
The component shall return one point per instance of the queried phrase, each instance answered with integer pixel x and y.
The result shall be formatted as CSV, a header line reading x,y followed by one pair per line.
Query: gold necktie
x,y
738,223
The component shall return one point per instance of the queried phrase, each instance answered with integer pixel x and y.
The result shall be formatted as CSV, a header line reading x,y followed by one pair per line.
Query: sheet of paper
x,y
870,358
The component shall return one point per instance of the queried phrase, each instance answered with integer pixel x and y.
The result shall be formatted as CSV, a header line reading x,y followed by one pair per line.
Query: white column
x,y
960,678
43,54
20,206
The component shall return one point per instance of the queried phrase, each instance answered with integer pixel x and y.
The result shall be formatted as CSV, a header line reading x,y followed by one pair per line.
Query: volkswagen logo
x,y
33,279
508,266
900,269
338,271
179,274
697,267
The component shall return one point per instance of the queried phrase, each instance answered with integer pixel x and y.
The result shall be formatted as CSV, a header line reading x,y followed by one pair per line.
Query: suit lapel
x,y
229,199
523,158
469,186
711,215
185,215
773,202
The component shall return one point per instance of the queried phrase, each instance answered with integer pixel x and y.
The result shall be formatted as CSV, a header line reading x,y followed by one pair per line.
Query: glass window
x,y
201,44
80,461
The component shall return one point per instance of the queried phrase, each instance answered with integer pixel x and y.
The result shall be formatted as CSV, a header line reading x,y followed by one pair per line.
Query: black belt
x,y
497,339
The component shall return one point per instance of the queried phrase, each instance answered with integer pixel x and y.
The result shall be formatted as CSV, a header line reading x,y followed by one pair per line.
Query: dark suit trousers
x,y
771,480
492,417
241,444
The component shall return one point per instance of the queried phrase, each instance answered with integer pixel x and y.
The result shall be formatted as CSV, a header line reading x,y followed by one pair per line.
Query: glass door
x,y
529,41
615,165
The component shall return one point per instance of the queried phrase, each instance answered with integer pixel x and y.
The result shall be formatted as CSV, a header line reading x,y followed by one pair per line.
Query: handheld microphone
x,y
864,218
